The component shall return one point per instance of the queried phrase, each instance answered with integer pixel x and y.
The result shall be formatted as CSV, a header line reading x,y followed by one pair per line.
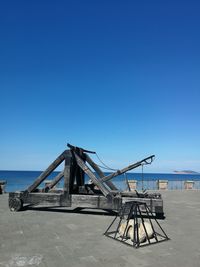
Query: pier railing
x,y
148,184
164,184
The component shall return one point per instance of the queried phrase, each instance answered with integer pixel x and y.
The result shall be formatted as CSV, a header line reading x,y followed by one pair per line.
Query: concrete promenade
x,y
58,237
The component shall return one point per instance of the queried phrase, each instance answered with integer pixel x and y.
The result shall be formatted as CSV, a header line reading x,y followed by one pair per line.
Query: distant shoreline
x,y
186,172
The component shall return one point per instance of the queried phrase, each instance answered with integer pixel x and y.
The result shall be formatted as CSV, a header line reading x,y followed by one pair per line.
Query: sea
x,y
21,180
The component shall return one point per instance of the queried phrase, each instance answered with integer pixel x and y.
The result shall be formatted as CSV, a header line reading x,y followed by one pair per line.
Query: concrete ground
x,y
61,238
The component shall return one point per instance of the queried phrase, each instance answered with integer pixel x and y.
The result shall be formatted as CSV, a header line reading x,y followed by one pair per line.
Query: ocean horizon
x,y
20,180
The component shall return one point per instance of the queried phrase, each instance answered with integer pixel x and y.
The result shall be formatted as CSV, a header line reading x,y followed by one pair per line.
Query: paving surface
x,y
61,238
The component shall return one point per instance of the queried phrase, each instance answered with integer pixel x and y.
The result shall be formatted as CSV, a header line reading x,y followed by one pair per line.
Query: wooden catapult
x,y
99,193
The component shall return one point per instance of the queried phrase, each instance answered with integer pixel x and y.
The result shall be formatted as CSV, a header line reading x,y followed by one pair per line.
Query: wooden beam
x,y
91,175
68,160
100,173
96,202
80,175
44,175
73,175
74,148
55,181
130,167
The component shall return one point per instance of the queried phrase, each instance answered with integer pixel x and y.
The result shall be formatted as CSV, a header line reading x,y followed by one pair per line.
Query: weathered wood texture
x,y
91,175
55,181
76,193
43,198
96,202
44,175
85,201
155,205
80,175
100,173
73,175
67,173
65,197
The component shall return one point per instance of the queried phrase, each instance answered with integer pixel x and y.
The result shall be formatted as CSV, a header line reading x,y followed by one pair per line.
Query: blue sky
x,y
118,77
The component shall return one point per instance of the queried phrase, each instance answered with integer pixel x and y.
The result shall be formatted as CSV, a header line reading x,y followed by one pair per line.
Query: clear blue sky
x,y
118,77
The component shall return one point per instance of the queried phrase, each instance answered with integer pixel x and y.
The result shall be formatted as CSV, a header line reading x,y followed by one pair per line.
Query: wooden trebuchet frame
x,y
99,193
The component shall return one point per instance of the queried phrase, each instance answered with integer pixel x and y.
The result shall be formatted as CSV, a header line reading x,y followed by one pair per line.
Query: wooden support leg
x,y
54,182
91,175
67,174
66,194
72,175
46,173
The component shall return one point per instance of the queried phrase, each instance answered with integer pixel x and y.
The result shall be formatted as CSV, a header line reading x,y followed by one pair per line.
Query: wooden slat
x,y
100,173
44,175
91,175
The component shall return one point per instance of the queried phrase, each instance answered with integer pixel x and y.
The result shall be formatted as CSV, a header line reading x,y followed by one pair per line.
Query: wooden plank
x,y
155,205
79,177
44,175
43,198
130,167
91,175
86,201
100,173
96,202
54,199
67,174
65,200
73,174
79,173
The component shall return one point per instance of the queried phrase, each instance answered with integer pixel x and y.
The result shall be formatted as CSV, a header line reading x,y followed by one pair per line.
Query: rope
x,y
108,168
104,165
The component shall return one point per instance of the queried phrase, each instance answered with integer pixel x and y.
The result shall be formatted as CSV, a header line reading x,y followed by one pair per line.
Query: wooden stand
x,y
132,216
101,193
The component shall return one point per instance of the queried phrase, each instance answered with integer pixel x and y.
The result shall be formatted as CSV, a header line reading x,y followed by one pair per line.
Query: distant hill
x,y
186,172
